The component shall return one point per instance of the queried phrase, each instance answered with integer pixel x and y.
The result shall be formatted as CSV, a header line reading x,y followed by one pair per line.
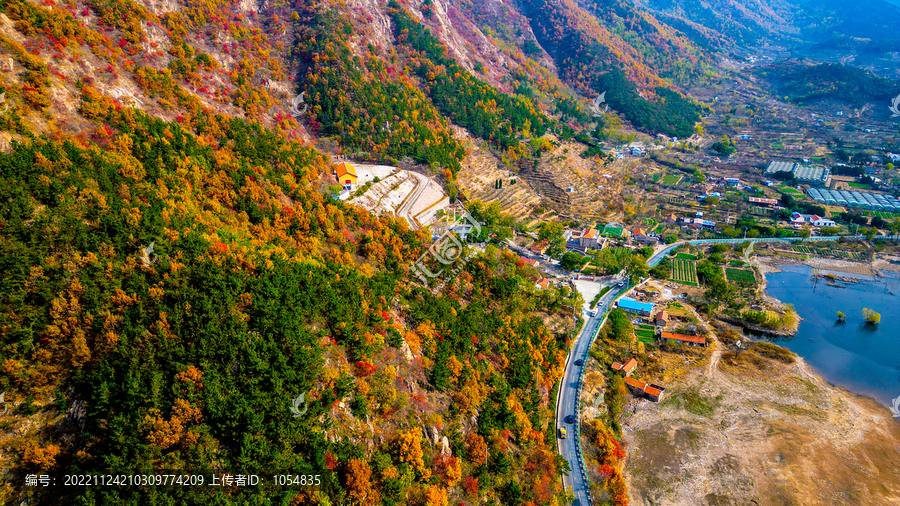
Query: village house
x,y
641,389
640,235
542,284
539,248
630,305
590,238
763,201
681,338
529,261
462,230
627,368
662,318
818,221
345,174
798,220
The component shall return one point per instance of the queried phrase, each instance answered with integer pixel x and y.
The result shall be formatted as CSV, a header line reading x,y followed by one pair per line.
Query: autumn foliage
x,y
259,288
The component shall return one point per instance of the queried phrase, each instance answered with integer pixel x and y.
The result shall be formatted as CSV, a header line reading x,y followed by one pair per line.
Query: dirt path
x,y
713,369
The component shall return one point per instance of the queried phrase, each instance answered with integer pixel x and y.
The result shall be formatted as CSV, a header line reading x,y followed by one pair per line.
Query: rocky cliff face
x,y
169,57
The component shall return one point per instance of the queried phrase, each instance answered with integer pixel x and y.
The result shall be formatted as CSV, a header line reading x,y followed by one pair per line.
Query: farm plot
x,y
881,214
849,255
645,333
740,276
686,256
684,272
621,252
671,180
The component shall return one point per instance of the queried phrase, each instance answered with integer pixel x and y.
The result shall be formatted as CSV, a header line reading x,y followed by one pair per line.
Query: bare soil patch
x,y
745,427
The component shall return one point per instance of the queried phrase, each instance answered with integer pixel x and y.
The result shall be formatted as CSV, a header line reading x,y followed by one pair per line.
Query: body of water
x,y
862,358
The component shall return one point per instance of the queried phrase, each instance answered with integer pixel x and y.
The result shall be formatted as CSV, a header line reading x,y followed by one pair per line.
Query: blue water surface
x,y
862,358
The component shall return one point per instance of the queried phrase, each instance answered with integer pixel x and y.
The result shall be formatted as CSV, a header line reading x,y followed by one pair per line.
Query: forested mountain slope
x,y
186,359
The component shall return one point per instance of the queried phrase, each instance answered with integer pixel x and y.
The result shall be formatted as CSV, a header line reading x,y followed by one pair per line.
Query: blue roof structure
x,y
634,305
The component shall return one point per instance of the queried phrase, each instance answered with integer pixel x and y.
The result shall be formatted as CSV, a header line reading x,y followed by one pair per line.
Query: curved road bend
x,y
570,386
568,400
421,184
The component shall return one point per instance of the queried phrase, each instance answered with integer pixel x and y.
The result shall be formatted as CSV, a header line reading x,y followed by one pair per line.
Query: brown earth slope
x,y
743,429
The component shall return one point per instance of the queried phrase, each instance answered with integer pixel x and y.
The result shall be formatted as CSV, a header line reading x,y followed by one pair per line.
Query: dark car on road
x,y
579,362
570,419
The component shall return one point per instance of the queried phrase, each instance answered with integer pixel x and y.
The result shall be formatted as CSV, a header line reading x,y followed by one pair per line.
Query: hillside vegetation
x,y
809,83
185,359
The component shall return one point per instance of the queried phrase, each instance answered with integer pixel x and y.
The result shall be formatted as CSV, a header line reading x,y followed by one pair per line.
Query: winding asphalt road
x,y
421,184
570,389
570,386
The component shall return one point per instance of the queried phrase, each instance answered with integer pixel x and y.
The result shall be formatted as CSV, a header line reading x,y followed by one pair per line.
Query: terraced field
x,y
849,255
881,214
481,170
762,211
684,272
566,169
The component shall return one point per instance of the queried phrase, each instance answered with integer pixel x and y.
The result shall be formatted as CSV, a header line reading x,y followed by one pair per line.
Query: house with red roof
x,y
589,238
539,248
681,338
662,318
627,367
640,235
647,390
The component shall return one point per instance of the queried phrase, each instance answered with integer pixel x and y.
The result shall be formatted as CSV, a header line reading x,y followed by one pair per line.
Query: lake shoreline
x,y
840,354
735,426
